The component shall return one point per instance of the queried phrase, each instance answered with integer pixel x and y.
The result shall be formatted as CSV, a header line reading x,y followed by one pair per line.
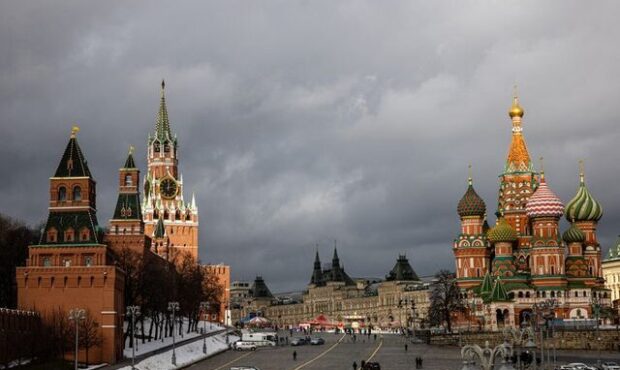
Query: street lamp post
x,y
413,318
77,314
133,311
539,309
173,307
596,306
204,307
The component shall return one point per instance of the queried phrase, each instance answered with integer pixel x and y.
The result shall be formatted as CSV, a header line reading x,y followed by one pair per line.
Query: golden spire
x,y
74,130
469,179
131,149
542,169
515,110
581,171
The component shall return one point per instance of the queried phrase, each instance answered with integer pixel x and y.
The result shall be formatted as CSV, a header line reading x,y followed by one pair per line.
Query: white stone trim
x,y
108,312
108,326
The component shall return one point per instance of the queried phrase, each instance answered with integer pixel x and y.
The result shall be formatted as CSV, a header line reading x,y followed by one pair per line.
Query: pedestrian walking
x,y
294,355
354,365
421,365
362,364
375,337
406,347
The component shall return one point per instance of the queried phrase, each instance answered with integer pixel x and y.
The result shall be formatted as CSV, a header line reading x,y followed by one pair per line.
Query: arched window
x,y
128,180
84,234
62,194
552,294
527,294
77,193
69,237
520,295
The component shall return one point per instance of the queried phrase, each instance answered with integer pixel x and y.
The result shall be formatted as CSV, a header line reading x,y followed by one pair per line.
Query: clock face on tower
x,y
168,188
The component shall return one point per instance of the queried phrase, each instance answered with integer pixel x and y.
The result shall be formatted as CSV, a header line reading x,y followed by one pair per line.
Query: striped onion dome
x,y
502,232
471,204
544,202
583,207
573,235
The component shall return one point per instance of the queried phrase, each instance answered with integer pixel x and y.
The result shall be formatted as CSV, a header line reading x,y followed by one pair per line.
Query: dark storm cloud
x,y
304,122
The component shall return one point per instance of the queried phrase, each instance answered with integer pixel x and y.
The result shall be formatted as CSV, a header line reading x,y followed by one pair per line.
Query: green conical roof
x,y
402,271
487,284
72,163
614,251
129,162
160,230
259,289
573,235
162,124
583,207
499,293
502,232
471,204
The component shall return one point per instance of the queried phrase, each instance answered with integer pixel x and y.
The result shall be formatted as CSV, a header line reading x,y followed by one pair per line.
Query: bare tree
x,y
89,333
444,299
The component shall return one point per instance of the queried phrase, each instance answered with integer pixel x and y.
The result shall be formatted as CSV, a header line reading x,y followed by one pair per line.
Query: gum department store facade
x,y
358,303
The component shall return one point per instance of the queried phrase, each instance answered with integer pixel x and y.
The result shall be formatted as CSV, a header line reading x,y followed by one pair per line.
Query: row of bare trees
x,y
151,283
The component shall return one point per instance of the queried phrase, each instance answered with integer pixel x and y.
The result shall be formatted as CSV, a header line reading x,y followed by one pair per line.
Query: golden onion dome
x,y
516,110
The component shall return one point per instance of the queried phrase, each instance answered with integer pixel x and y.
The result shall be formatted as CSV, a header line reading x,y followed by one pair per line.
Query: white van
x,y
260,338
241,345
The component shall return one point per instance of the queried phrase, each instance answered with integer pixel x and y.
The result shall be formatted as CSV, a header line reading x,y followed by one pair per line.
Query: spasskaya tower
x,y
168,218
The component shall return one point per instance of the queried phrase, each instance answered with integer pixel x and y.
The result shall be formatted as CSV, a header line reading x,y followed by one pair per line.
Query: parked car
x,y
610,366
242,345
318,341
298,342
581,366
565,367
244,368
371,366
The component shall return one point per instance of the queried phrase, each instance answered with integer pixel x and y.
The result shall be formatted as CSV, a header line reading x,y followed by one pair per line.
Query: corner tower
x,y
163,190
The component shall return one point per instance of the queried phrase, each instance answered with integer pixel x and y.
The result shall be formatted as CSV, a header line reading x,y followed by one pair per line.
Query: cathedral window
x,y
128,180
166,215
527,294
52,235
88,261
156,146
69,235
84,234
77,193
66,262
62,194
47,261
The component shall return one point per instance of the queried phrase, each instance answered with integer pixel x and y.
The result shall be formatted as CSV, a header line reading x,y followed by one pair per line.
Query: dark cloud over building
x,y
304,122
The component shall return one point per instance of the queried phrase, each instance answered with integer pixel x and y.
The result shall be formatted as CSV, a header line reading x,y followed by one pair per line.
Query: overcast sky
x,y
301,122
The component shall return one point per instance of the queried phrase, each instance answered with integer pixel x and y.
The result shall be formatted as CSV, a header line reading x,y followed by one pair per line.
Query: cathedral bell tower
x,y
163,191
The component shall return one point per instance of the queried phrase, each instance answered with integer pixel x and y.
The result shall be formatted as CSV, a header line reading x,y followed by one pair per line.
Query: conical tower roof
x,y
259,289
518,156
583,207
160,230
402,271
317,273
129,162
73,163
162,124
487,284
614,251
499,293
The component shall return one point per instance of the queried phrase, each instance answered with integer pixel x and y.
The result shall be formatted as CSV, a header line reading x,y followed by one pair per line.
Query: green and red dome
x,y
471,204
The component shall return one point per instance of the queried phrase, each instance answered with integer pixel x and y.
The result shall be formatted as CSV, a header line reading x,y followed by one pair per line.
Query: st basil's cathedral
x,y
524,259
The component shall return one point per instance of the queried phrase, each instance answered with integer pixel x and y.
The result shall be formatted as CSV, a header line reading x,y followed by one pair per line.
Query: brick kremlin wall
x,y
566,339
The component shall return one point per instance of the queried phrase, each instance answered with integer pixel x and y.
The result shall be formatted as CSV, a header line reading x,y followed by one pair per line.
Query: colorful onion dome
x,y
471,204
583,207
544,202
574,235
502,232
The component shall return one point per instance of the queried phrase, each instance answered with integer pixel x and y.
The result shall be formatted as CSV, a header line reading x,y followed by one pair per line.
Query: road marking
x,y
233,361
376,350
319,356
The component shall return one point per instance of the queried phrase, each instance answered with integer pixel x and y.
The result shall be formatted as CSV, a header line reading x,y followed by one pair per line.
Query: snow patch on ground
x,y
154,345
186,354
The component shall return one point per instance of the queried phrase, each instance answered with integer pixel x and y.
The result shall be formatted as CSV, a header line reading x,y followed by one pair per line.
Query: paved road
x,y
339,352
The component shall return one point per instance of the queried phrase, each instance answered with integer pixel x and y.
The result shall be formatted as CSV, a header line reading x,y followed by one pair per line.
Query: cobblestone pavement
x,y
339,352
